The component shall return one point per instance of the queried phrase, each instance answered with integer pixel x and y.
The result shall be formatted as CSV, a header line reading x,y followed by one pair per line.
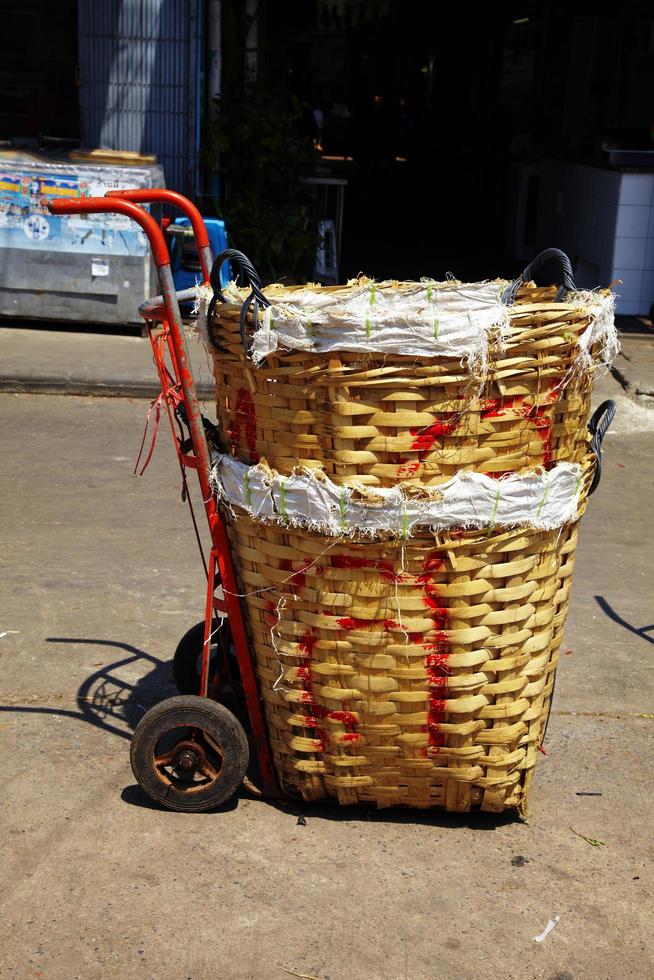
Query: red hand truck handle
x,y
93,205
158,195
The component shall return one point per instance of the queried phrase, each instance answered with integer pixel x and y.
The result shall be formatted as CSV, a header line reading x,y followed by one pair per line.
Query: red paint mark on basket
x,y
351,623
423,442
427,436
245,419
436,661
307,644
436,653
298,578
346,718
542,423
348,623
406,469
435,718
320,713
439,614
432,563
441,638
385,568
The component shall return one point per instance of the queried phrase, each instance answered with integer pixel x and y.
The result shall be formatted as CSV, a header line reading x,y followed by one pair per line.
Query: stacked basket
x,y
403,472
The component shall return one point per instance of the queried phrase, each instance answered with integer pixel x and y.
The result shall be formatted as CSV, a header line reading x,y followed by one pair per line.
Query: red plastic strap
x,y
156,404
171,388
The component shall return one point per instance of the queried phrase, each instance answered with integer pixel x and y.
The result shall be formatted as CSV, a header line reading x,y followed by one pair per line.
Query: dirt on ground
x,y
101,577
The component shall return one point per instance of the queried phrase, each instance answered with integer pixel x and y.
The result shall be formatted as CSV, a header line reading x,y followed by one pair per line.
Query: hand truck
x,y
192,752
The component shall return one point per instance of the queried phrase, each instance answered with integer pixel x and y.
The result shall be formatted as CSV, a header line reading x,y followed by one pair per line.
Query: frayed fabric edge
x,y
541,500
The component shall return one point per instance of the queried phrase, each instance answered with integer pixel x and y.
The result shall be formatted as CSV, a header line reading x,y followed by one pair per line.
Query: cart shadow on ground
x,y
106,701
115,704
109,701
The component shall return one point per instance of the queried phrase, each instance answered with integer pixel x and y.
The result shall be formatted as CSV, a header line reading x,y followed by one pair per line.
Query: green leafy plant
x,y
269,212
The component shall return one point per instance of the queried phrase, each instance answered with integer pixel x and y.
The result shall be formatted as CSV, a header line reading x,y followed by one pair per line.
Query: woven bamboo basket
x,y
408,669
364,419
416,674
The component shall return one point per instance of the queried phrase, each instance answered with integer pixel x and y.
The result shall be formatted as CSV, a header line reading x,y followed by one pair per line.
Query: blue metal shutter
x,y
139,81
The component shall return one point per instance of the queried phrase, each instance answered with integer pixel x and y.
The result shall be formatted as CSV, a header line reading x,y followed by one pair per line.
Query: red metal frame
x,y
161,196
179,386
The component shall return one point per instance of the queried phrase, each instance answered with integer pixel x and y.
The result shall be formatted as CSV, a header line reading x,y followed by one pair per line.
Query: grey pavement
x,y
101,578
82,362
634,365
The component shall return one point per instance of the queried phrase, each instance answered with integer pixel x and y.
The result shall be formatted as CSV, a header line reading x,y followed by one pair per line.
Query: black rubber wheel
x,y
187,662
189,753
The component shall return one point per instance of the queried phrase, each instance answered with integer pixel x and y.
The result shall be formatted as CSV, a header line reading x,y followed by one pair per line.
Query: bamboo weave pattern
x,y
415,672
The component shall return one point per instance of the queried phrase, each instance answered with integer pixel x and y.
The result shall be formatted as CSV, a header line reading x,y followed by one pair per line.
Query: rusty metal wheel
x,y
189,753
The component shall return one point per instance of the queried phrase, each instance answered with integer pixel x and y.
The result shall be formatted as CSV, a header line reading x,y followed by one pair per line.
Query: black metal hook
x,y
598,425
255,300
567,284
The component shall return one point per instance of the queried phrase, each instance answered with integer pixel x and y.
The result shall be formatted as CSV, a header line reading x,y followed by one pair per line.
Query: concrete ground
x,y
82,362
101,578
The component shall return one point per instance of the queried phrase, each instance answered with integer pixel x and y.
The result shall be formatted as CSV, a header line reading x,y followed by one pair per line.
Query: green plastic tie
x,y
373,289
543,499
429,292
368,327
436,328
341,504
491,523
405,524
248,492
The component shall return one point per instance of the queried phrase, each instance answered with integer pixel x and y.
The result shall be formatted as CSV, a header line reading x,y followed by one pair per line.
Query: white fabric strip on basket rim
x,y
431,319
543,500
426,319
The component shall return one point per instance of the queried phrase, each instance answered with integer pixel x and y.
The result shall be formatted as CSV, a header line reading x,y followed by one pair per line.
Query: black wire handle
x,y
567,283
599,423
256,299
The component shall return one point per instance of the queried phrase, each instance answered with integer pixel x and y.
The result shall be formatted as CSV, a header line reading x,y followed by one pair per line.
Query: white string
x,y
221,622
397,600
274,588
281,603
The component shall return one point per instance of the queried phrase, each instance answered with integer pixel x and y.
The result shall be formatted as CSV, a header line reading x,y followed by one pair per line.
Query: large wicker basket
x,y
415,667
367,419
417,674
